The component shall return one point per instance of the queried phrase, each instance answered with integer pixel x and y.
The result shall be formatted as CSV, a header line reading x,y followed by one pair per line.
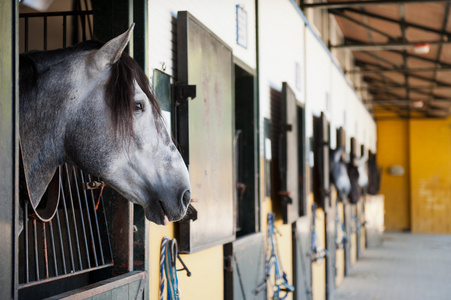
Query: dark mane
x,y
119,90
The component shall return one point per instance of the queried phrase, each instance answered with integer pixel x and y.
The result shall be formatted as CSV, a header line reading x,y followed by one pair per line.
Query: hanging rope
x,y
280,283
168,258
341,235
316,253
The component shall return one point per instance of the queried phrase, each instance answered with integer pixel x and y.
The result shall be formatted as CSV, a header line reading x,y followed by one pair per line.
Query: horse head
x,y
338,172
93,107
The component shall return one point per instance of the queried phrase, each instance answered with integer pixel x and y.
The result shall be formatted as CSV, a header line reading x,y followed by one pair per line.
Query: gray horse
x,y
91,105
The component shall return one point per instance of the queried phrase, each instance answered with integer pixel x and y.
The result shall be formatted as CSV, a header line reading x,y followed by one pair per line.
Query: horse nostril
x,y
186,198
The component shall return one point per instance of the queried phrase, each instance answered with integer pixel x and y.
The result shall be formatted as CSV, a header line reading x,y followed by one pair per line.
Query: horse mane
x,y
119,89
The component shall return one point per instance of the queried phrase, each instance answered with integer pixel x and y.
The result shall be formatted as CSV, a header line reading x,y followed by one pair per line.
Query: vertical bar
x,y
64,30
71,253
93,244
26,34
46,256
45,32
63,255
77,242
82,217
35,249
106,228
97,221
83,25
52,241
25,233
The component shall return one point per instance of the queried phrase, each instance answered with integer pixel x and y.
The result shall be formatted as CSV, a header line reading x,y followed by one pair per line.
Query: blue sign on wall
x,y
241,26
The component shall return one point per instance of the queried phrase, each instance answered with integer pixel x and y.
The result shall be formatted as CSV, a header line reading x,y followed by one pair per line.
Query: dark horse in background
x,y
91,105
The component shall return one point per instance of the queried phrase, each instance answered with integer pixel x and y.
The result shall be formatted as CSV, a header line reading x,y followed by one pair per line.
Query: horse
x,y
338,173
91,105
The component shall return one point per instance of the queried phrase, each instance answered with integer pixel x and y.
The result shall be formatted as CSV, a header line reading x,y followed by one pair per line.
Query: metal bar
x,y
83,26
64,31
89,21
414,76
94,250
25,233
442,37
63,255
106,228
342,15
386,87
26,33
82,217
44,248
362,46
423,58
56,14
97,221
71,253
408,24
35,283
400,70
45,32
342,4
35,249
52,241
77,241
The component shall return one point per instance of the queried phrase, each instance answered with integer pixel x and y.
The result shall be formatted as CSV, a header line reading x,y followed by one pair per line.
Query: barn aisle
x,y
407,266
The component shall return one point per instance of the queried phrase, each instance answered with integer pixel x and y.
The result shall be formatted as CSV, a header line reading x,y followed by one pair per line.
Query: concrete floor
x,y
407,266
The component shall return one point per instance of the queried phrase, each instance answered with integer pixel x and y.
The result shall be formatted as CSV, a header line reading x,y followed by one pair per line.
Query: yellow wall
x,y
207,279
393,149
430,159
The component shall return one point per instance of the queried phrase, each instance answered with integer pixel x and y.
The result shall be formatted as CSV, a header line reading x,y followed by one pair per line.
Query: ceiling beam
x,y
341,14
408,24
343,4
383,46
359,62
400,70
423,58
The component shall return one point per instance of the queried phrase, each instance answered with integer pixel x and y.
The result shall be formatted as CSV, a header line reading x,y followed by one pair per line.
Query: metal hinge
x,y
228,263
184,91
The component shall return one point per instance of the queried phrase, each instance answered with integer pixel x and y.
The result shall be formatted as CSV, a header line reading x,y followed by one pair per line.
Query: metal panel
x,y
8,147
288,161
302,258
244,274
126,286
206,61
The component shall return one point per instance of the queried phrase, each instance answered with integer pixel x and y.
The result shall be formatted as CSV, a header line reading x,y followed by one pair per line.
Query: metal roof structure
x,y
402,48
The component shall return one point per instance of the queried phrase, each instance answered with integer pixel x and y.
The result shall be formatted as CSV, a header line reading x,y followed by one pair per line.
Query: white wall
x,y
219,16
286,43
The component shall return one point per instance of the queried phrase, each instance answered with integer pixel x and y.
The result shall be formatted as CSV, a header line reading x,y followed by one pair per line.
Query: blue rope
x,y
344,236
168,256
272,260
316,254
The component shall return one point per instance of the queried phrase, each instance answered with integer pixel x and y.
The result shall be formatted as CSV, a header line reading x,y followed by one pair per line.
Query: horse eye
x,y
138,106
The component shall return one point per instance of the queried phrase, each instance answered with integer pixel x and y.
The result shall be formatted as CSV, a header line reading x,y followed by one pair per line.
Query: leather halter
x,y
49,201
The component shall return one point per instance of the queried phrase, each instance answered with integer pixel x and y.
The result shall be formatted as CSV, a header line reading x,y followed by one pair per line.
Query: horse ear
x,y
112,50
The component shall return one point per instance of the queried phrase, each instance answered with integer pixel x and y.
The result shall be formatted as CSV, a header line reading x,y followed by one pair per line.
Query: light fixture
x,y
418,104
422,48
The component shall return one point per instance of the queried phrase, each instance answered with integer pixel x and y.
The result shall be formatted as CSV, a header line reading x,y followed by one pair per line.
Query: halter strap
x,y
52,193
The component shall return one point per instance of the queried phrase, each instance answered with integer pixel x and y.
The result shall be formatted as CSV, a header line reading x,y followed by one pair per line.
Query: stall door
x,y
322,194
302,258
205,131
288,160
244,268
